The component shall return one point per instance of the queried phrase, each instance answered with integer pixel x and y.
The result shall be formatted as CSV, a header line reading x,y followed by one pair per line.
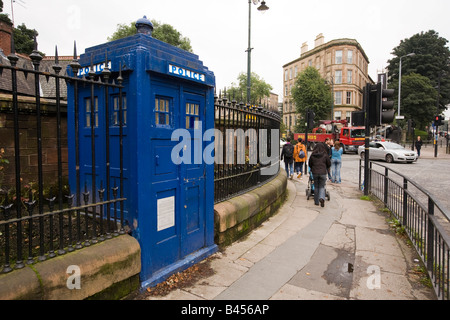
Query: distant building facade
x,y
271,102
342,63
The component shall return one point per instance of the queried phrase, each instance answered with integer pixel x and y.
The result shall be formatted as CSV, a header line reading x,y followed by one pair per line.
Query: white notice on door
x,y
166,213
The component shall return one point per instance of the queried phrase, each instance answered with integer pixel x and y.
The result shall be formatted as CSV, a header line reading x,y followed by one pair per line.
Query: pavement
x,y
346,250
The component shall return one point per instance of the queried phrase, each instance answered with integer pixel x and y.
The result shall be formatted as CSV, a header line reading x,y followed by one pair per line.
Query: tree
x,y
163,32
24,39
311,92
418,99
259,89
432,60
1,5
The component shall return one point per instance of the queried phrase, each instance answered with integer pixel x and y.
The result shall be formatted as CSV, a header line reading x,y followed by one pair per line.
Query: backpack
x,y
301,154
289,151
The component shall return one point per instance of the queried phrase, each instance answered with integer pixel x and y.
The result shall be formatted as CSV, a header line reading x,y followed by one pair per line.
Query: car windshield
x,y
358,133
391,146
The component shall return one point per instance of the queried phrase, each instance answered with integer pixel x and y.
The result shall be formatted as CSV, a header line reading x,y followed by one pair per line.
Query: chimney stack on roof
x,y
5,37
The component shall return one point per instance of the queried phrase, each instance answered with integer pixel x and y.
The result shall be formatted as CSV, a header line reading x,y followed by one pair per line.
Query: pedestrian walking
x,y
287,154
329,145
300,157
336,162
419,143
319,164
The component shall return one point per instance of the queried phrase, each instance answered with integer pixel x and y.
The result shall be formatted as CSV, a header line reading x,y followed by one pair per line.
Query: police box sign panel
x,y
187,74
98,68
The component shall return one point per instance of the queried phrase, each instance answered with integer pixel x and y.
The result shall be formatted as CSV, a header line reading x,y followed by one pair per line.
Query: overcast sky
x,y
218,30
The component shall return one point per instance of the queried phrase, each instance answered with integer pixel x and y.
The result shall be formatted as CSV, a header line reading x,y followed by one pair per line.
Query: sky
x,y
218,30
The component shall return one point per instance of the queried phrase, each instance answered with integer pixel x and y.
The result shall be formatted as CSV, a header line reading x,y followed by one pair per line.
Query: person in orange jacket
x,y
299,159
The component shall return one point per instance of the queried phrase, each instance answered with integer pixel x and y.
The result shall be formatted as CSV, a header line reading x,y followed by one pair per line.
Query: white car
x,y
389,152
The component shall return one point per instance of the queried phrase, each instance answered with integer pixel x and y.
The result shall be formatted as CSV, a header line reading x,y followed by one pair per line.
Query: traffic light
x,y
370,92
358,118
381,110
438,121
385,107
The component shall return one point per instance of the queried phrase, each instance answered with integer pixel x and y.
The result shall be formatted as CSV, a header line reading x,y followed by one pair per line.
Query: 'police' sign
x,y
98,68
188,74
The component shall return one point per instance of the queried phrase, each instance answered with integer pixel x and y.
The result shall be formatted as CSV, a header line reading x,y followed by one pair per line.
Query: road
x,y
430,173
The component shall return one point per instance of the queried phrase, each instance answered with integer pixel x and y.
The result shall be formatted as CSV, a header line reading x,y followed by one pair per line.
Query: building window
x,y
338,98
310,63
89,113
286,91
349,76
338,59
295,72
115,121
349,98
162,112
349,116
337,115
286,75
338,77
350,57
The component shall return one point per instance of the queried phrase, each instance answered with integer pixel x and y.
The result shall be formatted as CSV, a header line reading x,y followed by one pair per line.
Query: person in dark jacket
x,y
419,145
287,154
319,163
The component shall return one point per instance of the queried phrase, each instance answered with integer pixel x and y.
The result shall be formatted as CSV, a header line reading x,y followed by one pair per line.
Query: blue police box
x,y
170,205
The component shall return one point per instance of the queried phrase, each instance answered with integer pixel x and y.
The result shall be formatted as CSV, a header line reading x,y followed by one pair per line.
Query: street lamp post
x,y
400,117
261,8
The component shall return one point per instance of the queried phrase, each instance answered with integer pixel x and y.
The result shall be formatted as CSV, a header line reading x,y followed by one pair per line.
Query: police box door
x,y
193,173
177,189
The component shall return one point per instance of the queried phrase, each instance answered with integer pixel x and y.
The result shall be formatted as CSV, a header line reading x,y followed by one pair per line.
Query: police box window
x,y
162,111
115,119
192,115
87,104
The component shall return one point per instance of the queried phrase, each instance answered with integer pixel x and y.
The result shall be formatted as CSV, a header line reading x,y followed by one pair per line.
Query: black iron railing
x,y
246,136
43,222
425,220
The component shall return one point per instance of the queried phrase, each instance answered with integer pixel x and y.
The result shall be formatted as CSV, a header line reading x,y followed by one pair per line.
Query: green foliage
x,y
259,89
311,91
418,100
24,39
431,61
163,32
5,18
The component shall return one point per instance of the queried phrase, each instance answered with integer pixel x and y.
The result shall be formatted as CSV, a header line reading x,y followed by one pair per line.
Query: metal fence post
x,y
386,186
405,201
430,238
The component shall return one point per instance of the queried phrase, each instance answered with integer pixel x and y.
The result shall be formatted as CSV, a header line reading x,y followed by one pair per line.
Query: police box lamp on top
x,y
144,26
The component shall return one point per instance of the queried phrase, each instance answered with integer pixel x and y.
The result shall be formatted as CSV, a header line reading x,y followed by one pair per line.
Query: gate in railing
x,y
41,222
425,220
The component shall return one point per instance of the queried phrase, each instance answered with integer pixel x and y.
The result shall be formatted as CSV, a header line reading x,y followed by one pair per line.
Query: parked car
x,y
389,152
